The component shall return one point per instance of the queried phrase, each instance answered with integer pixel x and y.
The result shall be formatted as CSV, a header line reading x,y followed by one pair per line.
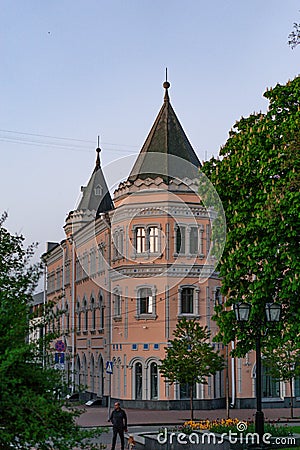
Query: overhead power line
x,y
67,143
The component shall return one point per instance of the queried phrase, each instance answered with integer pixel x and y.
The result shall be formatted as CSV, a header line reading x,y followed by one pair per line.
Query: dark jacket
x,y
119,419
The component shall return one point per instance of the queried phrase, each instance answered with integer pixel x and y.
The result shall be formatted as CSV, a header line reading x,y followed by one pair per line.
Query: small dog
x,y
131,442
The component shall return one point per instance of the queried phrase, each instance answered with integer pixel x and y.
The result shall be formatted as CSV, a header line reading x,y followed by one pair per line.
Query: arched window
x,y
78,372
58,320
84,371
86,315
67,318
78,316
101,308
93,308
100,377
138,373
92,374
98,190
153,381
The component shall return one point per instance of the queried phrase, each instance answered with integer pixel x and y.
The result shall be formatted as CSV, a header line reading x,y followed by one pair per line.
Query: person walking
x,y
118,419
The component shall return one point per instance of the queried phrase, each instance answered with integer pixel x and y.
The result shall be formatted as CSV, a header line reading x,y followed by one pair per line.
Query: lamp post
x,y
272,314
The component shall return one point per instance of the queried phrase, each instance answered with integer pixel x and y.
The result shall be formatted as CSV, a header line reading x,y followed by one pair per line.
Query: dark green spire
x,y
167,152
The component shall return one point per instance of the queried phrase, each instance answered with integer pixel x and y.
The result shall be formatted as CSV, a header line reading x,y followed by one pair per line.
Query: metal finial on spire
x,y
98,150
166,85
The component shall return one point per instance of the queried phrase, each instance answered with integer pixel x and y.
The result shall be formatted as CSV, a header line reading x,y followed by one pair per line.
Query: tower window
x,y
98,190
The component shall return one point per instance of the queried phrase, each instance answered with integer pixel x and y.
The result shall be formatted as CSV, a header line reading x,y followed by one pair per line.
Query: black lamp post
x,y
272,314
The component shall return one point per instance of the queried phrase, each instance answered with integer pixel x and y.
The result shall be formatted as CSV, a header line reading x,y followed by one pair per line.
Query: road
x,y
106,438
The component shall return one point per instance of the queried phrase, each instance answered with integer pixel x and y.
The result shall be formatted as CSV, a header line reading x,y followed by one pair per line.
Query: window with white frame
x,y
153,239
140,240
147,239
145,296
145,299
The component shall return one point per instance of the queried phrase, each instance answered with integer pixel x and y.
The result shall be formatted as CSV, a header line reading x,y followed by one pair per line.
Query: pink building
x,y
130,267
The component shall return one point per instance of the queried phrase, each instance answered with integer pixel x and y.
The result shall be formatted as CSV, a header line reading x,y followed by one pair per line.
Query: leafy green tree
x,y
32,412
283,363
258,180
190,358
294,36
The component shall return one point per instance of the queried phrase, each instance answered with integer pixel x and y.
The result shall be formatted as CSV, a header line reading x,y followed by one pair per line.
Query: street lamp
x,y
272,314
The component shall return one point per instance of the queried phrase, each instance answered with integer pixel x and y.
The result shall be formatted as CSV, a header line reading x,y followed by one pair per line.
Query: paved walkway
x,y
98,416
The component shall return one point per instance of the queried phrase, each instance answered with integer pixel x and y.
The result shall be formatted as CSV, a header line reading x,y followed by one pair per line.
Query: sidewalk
x,y
98,416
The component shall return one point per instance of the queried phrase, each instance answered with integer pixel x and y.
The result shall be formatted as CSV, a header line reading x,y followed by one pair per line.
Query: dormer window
x,y
98,190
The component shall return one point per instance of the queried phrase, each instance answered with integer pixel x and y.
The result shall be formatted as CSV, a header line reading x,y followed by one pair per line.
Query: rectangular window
x,y
208,237
134,347
92,262
194,240
146,301
187,300
156,346
180,239
100,259
140,238
153,240
218,296
146,346
58,279
117,299
67,268
78,269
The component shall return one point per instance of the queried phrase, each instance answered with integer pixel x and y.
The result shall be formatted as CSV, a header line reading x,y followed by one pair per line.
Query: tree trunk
x,y
191,401
227,385
292,398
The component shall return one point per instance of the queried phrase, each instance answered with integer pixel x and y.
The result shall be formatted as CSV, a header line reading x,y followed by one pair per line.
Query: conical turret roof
x,y
167,152
96,196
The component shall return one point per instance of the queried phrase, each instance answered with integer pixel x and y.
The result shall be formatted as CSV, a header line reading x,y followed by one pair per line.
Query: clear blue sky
x,y
76,69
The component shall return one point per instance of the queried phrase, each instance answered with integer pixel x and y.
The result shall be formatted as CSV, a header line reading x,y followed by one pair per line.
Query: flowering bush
x,y
214,425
